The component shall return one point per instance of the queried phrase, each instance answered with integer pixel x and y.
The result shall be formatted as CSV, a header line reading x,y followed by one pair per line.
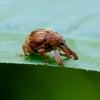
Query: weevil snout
x,y
68,52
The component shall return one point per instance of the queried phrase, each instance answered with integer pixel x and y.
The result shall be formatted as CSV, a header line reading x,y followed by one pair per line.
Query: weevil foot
x,y
46,62
62,65
21,55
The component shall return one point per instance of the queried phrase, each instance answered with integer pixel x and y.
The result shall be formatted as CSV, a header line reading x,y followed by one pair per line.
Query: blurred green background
x,y
22,82
78,21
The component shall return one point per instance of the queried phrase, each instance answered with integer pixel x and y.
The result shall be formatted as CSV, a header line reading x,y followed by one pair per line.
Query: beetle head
x,y
63,46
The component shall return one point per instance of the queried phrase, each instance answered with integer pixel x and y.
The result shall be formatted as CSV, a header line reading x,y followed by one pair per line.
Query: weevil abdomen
x,y
36,39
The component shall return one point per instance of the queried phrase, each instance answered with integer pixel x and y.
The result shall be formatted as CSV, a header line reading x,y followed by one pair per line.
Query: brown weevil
x,y
42,41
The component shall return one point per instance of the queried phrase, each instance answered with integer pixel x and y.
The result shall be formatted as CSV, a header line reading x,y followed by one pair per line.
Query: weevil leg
x,y
65,55
42,53
26,49
58,58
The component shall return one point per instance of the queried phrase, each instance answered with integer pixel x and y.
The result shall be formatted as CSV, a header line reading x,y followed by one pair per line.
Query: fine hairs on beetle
x,y
42,41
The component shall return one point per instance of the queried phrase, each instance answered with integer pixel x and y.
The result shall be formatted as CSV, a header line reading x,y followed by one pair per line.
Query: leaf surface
x,y
77,21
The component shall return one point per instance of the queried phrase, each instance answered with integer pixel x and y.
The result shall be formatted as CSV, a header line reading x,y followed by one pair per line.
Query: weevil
x,y
42,41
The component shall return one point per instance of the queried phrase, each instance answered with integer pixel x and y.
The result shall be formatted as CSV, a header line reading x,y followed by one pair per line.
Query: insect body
x,y
42,41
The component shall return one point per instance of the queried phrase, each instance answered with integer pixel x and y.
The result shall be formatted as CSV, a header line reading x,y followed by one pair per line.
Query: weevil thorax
x,y
52,39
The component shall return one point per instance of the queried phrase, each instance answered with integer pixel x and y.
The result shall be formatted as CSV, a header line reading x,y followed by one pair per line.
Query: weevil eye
x,y
61,43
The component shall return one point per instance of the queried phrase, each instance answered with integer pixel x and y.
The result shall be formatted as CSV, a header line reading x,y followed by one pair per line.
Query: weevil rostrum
x,y
42,41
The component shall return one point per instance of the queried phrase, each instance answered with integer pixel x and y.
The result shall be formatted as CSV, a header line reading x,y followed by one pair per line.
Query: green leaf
x,y
77,21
